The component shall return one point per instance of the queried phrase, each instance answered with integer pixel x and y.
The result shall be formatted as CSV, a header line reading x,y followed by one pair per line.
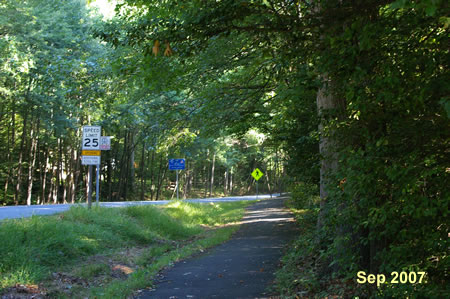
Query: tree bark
x,y
44,176
152,187
225,182
211,186
326,102
131,163
34,140
143,172
11,145
19,167
267,178
206,172
231,181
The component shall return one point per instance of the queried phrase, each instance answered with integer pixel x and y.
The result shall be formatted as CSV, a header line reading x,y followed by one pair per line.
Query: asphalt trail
x,y
243,267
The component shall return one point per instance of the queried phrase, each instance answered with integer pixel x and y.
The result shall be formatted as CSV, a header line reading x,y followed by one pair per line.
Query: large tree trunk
x,y
326,102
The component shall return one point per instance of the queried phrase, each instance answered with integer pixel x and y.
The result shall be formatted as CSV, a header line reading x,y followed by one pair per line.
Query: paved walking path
x,y
240,268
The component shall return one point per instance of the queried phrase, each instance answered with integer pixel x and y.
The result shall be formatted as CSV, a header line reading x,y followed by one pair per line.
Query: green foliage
x,y
298,275
241,69
387,199
213,214
33,248
304,196
394,202
161,223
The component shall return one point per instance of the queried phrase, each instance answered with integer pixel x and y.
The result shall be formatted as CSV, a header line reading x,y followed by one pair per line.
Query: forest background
x,y
348,96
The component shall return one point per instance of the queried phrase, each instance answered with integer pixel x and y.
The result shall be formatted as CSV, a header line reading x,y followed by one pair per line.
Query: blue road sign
x,y
177,164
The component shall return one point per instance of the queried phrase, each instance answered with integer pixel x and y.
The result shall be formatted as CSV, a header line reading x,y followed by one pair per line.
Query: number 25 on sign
x,y
91,138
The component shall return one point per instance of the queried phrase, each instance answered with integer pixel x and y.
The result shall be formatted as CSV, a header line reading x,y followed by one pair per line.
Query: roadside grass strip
x,y
106,252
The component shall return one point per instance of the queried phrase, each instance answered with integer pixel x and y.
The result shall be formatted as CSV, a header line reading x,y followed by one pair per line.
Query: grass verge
x,y
105,252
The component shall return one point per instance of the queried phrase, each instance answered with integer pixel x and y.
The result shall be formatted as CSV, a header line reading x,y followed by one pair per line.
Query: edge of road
x,y
24,211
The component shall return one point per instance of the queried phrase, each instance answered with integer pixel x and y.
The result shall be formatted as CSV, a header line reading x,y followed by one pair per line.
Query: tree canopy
x,y
348,96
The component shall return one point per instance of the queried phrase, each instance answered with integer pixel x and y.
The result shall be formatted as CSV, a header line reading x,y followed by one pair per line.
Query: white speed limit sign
x,y
91,138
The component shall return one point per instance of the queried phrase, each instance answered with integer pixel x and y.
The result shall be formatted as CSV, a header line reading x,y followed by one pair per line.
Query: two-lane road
x,y
10,212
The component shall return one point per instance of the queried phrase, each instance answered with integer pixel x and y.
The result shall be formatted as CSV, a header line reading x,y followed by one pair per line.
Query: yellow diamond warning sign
x,y
257,174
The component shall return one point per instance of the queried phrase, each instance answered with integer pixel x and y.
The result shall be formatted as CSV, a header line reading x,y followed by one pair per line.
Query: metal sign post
x,y
257,190
91,156
178,187
257,174
90,186
177,164
97,184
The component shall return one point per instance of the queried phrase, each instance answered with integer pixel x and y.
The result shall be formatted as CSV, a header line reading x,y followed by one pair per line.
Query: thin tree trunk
x,y
206,172
231,181
190,181
109,172
74,176
143,172
132,168
123,167
185,180
11,144
211,186
158,177
51,193
162,179
267,178
44,176
34,141
19,167
152,187
225,182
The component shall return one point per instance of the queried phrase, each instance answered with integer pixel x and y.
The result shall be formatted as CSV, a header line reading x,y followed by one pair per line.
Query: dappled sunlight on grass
x,y
33,249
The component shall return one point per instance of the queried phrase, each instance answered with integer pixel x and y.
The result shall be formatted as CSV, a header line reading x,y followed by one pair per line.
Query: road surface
x,y
10,212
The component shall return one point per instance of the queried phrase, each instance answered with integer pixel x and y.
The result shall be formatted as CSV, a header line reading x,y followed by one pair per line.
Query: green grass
x,y
85,244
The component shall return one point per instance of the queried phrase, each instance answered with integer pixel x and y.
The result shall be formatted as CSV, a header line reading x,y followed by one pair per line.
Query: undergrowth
x,y
129,246
308,271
